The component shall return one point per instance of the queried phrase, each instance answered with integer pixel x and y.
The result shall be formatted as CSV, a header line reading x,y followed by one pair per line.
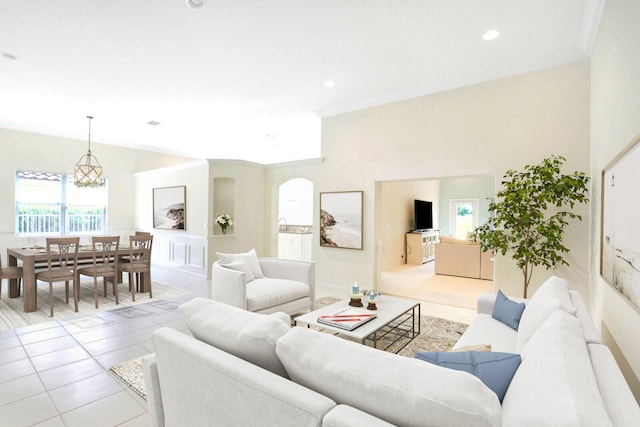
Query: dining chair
x,y
139,265
105,264
10,273
62,263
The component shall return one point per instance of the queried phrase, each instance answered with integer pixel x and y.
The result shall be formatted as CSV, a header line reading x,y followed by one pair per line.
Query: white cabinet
x,y
421,246
295,246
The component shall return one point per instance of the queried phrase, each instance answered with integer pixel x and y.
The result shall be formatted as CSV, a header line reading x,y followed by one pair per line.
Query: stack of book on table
x,y
348,318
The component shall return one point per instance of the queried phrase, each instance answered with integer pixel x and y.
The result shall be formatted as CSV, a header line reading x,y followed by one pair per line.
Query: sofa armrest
x,y
203,385
228,286
348,416
619,402
152,386
302,271
486,303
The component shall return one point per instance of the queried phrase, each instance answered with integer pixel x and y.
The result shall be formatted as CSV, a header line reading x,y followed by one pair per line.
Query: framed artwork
x,y
620,228
170,208
341,219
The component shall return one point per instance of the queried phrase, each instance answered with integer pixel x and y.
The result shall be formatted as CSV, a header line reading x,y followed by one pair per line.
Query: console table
x,y
421,246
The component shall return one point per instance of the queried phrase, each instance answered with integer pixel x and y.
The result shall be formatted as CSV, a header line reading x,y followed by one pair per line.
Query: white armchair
x,y
287,286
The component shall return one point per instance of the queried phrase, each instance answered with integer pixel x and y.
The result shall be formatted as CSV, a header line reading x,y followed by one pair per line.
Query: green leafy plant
x,y
531,214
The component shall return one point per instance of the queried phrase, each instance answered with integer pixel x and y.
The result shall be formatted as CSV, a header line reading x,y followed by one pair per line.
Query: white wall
x,y
615,122
29,151
478,130
182,249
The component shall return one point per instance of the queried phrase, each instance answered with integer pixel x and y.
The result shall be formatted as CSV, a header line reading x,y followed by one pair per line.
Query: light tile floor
x,y
57,373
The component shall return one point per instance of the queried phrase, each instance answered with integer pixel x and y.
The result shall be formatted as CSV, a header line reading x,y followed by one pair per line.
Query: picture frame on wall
x,y
620,229
341,221
170,208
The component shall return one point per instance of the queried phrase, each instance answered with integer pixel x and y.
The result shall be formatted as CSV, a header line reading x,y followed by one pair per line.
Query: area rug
x,y
435,335
131,373
12,314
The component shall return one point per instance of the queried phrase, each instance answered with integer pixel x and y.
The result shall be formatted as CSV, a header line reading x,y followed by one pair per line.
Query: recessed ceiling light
x,y
329,83
491,35
153,123
196,4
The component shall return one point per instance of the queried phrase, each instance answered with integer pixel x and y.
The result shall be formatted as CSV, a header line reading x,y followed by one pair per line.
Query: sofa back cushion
x,y
249,336
555,384
453,240
399,390
250,258
552,296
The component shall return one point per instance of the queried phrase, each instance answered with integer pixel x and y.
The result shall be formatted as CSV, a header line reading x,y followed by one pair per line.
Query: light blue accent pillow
x,y
507,311
495,370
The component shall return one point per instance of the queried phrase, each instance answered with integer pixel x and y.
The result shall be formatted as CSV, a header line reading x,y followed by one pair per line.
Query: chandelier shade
x,y
88,172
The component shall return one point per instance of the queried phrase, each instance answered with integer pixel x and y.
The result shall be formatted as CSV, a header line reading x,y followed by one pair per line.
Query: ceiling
x,y
244,79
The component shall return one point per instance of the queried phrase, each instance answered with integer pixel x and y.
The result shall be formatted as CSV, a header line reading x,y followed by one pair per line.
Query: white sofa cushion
x,y
591,334
399,390
250,257
552,296
249,336
239,264
268,292
486,330
555,384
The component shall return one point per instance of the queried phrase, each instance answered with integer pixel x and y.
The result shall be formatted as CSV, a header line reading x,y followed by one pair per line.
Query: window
x,y
49,204
463,217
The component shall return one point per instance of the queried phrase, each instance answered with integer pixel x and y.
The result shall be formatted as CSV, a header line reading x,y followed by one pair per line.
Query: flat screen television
x,y
422,215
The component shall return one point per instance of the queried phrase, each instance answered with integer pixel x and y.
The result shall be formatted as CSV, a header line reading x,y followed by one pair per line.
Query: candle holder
x,y
372,298
356,299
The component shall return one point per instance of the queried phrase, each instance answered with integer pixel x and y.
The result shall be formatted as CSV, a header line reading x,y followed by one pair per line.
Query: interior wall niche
x,y
224,202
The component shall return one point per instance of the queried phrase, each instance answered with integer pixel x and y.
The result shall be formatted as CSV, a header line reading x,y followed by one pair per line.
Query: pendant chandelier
x,y
88,172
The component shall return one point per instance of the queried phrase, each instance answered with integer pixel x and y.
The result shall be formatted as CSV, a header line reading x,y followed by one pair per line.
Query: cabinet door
x,y
289,246
307,240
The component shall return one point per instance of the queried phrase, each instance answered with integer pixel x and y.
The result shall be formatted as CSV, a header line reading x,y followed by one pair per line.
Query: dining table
x,y
36,256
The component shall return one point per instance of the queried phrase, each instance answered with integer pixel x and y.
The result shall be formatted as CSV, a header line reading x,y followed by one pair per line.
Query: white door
x,y
463,217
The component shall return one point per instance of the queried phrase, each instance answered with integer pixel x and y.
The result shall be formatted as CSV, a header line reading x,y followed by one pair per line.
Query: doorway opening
x,y
295,219
464,217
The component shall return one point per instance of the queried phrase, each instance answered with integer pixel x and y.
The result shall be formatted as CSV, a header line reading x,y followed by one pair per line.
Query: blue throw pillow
x,y
507,311
495,370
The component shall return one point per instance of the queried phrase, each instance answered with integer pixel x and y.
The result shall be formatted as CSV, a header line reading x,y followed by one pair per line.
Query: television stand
x,y
421,246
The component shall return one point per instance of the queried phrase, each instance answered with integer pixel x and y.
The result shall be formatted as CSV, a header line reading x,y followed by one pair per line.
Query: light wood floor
x,y
448,297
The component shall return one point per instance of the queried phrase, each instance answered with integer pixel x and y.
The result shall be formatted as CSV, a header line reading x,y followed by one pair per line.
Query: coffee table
x,y
396,321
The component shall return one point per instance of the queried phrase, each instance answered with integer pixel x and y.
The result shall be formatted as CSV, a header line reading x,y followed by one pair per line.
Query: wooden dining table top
x,y
40,252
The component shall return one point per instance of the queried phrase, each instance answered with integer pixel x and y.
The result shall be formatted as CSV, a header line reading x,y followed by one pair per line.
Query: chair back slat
x,y
62,252
140,248
105,250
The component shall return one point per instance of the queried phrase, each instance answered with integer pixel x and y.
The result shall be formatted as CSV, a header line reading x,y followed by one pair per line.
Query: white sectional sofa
x,y
242,368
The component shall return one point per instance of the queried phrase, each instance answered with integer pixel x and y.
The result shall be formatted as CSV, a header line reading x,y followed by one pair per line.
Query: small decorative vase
x,y
224,229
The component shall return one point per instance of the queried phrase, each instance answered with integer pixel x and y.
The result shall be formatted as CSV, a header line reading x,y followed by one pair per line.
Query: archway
x,y
295,219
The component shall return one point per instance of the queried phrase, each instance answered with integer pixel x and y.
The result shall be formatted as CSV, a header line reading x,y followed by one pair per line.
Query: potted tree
x,y
531,214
